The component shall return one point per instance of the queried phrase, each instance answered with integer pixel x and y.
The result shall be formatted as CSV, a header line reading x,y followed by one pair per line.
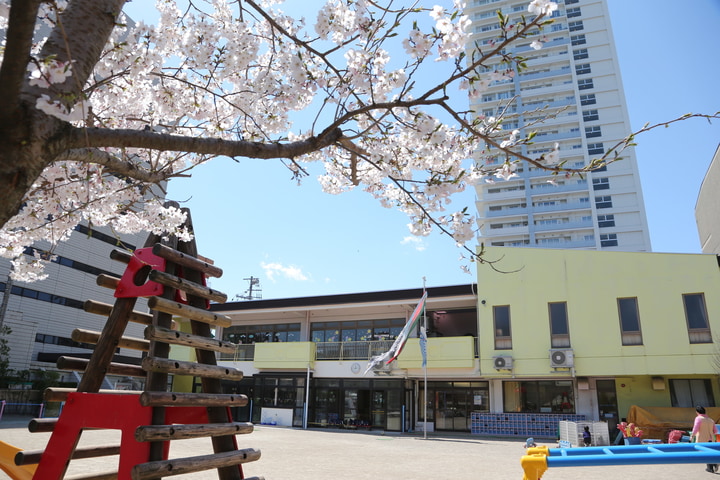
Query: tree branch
x,y
123,138
114,164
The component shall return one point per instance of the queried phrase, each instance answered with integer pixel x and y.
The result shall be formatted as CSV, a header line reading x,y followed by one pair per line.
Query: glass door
x,y
607,405
378,409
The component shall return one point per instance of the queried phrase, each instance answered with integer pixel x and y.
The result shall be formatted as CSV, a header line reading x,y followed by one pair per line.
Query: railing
x,y
351,350
324,351
332,351
243,353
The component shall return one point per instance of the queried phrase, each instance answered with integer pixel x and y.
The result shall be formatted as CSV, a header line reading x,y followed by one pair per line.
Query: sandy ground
x,y
294,454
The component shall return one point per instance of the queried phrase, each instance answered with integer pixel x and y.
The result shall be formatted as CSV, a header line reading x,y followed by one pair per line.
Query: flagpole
x,y
425,371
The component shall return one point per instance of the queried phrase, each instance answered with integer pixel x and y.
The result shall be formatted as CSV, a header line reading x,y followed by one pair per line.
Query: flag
x,y
423,346
397,346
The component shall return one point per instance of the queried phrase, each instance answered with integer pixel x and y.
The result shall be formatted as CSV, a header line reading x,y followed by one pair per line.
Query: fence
x,y
21,409
572,432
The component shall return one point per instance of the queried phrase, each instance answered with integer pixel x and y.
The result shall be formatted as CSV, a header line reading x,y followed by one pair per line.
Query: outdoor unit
x,y
560,358
503,362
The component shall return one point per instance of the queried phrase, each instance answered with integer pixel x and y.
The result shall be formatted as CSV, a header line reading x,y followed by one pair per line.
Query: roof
x,y
412,294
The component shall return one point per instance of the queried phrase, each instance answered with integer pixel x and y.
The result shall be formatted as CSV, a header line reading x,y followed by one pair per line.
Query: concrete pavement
x,y
294,454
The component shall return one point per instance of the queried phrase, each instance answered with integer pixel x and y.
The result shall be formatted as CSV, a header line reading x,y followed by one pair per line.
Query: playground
x,y
327,454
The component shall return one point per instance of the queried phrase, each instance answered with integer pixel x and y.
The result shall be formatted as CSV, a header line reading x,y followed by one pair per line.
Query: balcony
x,y
442,352
554,227
445,352
506,212
560,207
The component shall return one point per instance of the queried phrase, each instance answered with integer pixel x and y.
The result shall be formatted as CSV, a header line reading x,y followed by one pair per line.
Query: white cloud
x,y
273,270
416,242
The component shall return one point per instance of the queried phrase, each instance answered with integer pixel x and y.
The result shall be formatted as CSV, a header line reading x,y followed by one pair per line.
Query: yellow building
x,y
593,332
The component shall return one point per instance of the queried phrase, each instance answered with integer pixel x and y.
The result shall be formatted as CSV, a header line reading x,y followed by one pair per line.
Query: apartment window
x,y
582,69
687,393
629,321
578,40
608,240
575,26
585,84
601,183
590,115
580,53
559,331
596,148
697,318
588,99
603,202
570,2
591,132
501,319
573,12
605,221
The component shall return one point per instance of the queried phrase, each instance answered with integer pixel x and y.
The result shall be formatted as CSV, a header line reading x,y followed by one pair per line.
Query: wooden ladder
x,y
172,276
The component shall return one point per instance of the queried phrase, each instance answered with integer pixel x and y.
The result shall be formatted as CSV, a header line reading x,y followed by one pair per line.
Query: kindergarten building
x,y
546,335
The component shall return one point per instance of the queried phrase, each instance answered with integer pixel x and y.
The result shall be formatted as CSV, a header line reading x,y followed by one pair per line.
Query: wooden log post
x,y
191,288
113,368
186,311
175,337
180,258
89,336
31,457
179,399
154,433
180,466
179,367
100,308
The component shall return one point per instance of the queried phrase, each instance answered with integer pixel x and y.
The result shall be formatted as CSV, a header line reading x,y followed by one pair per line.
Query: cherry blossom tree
x,y
97,112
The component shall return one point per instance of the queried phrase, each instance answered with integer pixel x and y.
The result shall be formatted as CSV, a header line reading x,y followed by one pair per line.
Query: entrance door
x,y
378,409
607,405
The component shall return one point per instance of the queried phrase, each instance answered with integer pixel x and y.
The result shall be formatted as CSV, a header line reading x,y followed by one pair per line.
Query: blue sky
x,y
253,220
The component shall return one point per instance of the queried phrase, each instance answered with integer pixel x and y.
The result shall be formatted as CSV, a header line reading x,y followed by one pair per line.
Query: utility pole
x,y
254,292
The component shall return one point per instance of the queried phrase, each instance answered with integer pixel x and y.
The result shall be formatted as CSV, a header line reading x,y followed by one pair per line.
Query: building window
x,y
570,2
608,240
249,334
573,12
697,318
559,331
578,40
687,393
588,99
582,69
629,321
591,132
580,53
596,148
501,318
603,202
601,183
605,221
585,84
543,396
575,26
590,115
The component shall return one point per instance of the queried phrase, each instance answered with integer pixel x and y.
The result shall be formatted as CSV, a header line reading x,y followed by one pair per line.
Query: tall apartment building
x,y
575,77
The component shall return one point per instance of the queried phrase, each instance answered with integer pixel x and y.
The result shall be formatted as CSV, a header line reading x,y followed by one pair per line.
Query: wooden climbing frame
x,y
172,276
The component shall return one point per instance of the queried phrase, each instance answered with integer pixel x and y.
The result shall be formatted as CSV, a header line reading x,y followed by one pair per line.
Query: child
x,y
587,439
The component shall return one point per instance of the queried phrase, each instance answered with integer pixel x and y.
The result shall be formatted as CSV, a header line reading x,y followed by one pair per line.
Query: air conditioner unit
x,y
503,362
561,358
